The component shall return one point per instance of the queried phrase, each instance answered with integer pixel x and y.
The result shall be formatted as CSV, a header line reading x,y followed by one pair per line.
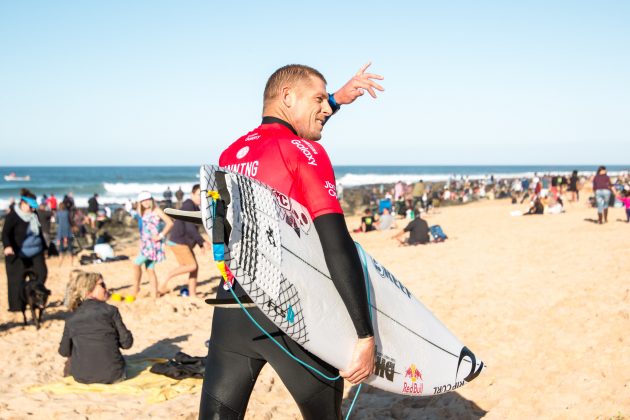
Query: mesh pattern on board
x,y
256,264
255,260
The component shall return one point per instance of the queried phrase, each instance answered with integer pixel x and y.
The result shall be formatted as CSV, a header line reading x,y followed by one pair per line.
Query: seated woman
x,y
537,208
93,334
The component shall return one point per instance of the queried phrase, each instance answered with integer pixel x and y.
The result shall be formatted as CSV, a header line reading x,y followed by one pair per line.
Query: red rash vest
x,y
298,168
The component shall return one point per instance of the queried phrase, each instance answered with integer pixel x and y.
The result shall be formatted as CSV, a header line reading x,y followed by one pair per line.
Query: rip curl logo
x,y
241,153
252,137
414,385
465,352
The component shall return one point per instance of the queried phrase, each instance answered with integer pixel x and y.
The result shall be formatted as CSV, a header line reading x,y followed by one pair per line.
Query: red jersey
x,y
296,167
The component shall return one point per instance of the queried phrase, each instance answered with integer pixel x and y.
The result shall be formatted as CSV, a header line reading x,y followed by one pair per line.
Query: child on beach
x,y
625,199
93,333
151,242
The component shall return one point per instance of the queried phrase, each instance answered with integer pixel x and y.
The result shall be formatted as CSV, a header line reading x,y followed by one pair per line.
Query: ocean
x,y
116,184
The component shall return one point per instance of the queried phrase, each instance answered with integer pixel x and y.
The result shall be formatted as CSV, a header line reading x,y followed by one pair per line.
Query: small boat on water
x,y
14,177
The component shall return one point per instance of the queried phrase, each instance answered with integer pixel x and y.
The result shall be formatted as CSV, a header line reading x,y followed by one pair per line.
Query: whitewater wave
x,y
130,190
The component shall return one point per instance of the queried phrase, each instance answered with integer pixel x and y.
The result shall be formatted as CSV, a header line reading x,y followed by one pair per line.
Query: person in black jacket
x,y
93,209
184,236
24,247
94,333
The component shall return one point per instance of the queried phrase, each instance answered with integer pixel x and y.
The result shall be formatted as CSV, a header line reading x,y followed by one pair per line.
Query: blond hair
x,y
141,209
288,75
70,286
83,285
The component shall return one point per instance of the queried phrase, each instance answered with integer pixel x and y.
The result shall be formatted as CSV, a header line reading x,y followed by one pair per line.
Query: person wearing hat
x,y
24,247
151,241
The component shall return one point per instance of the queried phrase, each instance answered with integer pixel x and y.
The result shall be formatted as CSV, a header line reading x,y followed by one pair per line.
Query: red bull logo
x,y
415,376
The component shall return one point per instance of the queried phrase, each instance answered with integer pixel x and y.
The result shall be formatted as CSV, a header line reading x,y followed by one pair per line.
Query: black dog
x,y
35,296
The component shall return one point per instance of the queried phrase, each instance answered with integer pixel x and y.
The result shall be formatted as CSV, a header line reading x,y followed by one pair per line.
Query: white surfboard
x,y
275,254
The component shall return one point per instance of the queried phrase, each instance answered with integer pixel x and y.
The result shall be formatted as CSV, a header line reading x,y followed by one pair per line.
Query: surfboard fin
x,y
184,215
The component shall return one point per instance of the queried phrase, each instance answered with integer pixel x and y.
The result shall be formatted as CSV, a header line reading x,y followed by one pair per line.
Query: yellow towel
x,y
157,388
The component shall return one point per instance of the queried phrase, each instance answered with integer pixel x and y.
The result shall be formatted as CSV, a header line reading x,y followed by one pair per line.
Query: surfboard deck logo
x,y
276,257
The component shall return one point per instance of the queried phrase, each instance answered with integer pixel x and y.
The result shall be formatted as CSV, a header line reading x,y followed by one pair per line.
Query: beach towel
x,y
155,388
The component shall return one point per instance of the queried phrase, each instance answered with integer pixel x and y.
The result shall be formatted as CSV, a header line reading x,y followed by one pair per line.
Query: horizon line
x,y
345,164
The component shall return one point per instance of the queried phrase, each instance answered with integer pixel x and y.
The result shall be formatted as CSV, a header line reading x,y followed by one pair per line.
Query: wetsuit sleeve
x,y
65,347
125,339
345,269
333,105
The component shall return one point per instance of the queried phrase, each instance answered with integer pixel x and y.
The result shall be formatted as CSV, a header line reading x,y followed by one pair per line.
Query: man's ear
x,y
287,96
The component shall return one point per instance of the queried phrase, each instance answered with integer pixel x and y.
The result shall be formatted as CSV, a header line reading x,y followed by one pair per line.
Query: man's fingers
x,y
367,84
359,376
365,66
372,76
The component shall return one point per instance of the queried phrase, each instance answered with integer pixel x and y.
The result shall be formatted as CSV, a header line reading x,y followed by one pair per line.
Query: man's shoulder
x,y
189,205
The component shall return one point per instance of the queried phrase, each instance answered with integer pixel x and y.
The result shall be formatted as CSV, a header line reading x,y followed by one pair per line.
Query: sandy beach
x,y
543,300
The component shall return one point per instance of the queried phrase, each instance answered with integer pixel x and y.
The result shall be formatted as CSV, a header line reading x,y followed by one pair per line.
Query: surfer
x,y
283,152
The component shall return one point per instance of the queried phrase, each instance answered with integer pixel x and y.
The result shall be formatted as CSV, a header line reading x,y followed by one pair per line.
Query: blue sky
x,y
158,83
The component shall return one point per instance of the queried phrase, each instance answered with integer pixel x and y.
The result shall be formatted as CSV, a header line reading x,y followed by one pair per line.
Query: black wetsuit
x,y
238,350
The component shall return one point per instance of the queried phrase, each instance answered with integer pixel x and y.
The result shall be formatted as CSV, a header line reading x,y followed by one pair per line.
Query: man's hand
x,y
206,247
358,85
8,251
362,364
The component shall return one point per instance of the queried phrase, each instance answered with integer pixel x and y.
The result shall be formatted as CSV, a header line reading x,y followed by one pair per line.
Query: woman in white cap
x,y
151,241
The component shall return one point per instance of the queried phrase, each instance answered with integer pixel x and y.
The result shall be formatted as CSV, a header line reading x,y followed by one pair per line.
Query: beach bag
x,y
437,233
32,245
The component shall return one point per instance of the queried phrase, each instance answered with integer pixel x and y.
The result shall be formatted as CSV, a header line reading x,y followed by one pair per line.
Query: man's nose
x,y
326,109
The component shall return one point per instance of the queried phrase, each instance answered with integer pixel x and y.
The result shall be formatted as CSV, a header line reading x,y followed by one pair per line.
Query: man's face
x,y
310,108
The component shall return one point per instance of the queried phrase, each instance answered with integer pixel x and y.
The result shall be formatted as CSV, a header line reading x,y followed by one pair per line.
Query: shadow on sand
x,y
373,403
591,220
48,316
163,349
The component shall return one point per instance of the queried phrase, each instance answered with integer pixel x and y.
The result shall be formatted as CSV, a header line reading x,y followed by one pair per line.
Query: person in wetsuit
x,y
283,152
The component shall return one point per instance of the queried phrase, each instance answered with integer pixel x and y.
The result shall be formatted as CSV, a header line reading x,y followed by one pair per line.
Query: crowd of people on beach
x,y
27,239
543,194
